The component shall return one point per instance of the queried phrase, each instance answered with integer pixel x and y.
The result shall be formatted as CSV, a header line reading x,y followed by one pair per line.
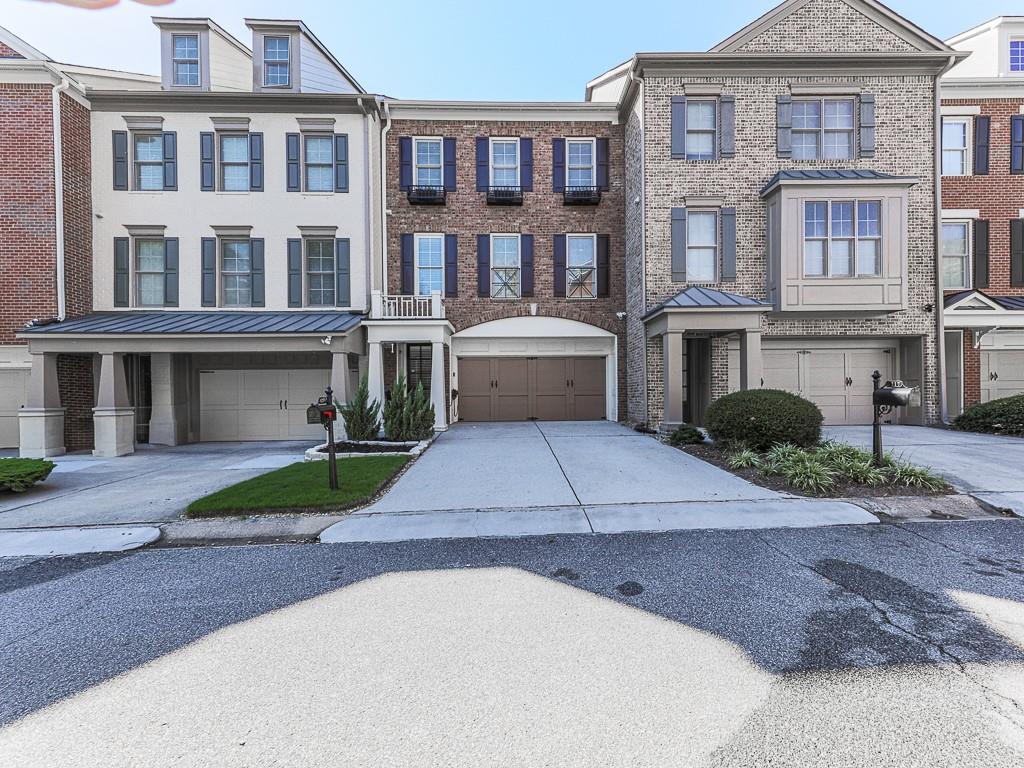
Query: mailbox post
x,y
891,395
325,412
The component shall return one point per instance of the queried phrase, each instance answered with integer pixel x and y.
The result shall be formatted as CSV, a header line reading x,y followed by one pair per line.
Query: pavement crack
x,y
560,467
954,550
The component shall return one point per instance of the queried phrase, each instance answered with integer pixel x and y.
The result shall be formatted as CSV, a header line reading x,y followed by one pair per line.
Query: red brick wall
x,y
6,52
74,378
542,214
27,224
76,156
999,196
972,370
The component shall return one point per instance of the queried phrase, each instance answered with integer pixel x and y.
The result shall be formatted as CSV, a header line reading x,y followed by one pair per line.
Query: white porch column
x,y
41,421
375,374
113,416
672,346
167,395
437,386
340,389
751,367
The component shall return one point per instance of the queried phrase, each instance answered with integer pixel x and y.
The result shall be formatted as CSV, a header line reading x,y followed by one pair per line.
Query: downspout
x,y
384,197
939,297
643,238
58,196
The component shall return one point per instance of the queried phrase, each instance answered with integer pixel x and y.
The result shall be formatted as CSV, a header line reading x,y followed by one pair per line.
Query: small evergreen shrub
x,y
408,417
361,417
684,434
1004,416
761,418
21,474
422,418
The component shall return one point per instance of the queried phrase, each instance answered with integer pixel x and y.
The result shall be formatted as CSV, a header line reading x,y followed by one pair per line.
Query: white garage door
x,y
259,404
837,379
13,394
1002,373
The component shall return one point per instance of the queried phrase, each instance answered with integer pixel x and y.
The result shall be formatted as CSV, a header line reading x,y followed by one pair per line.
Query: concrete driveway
x,y
153,485
973,463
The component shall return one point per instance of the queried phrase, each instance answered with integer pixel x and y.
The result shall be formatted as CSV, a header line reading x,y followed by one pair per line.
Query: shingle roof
x,y
696,297
830,174
219,322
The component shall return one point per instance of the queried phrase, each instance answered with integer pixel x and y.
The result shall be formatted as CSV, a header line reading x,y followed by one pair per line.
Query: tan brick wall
x,y
636,353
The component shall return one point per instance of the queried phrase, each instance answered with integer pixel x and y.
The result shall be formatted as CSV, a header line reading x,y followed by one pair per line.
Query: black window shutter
x,y
603,264
207,176
342,272
257,272
867,125
980,253
408,271
121,271
679,127
256,162
558,251
727,131
1017,253
602,164
170,160
341,162
483,265
483,165
294,272
679,245
171,272
558,165
526,164
981,142
209,268
120,159
1017,144
404,162
526,263
451,265
449,164
292,151
728,244
784,125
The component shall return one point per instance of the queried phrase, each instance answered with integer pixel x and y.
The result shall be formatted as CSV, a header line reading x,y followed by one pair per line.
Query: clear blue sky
x,y
528,50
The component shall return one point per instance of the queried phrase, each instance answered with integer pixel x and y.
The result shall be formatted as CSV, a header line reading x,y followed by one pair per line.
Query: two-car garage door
x,y
521,388
837,378
249,404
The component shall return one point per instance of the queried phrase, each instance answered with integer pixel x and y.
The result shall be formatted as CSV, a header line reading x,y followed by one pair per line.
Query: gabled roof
x,y
884,16
301,26
979,301
19,46
159,322
699,298
201,21
832,174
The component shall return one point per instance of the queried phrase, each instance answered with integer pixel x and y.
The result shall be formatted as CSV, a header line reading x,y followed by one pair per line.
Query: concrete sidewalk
x,y
52,542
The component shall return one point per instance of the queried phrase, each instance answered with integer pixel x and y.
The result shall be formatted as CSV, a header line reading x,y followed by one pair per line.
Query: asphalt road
x,y
860,646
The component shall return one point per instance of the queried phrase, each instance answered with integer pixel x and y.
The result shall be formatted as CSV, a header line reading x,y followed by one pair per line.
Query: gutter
x,y
58,196
384,197
633,79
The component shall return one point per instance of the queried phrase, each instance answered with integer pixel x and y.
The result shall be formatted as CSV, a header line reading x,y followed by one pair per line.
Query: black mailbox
x,y
892,393
312,415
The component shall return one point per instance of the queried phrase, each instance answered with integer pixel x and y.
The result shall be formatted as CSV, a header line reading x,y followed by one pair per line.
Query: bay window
x,y
842,238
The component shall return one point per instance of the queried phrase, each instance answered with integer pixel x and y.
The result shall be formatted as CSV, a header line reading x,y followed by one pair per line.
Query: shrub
x,y
361,417
1004,416
684,434
421,422
408,417
21,474
761,418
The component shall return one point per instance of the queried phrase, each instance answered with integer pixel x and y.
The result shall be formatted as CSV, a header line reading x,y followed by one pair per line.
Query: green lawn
x,y
301,487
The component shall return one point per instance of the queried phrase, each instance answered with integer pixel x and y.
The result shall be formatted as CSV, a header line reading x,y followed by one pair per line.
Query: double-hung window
x,y
823,129
275,61
236,273
701,125
429,264
149,272
842,238
320,272
429,157
234,162
1017,55
956,133
319,152
506,274
702,246
149,161
185,60
504,162
580,166
581,266
956,243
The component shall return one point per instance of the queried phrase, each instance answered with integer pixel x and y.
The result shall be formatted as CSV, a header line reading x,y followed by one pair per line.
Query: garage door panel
x,y
782,369
13,395
1002,374
826,374
551,388
259,404
475,389
588,388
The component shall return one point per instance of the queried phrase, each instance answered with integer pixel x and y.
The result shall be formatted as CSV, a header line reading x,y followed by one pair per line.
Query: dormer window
x,y
185,61
1017,55
275,61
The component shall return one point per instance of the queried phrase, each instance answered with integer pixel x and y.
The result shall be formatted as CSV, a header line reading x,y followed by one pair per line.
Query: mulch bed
x,y
712,455
349,447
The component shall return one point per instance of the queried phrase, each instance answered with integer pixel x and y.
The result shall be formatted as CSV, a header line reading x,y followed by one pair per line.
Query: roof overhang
x,y
873,182
771,63
982,88
232,101
702,321
543,111
200,22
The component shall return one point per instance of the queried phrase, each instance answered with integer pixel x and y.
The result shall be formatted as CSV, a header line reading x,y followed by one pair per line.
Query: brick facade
x,y
542,214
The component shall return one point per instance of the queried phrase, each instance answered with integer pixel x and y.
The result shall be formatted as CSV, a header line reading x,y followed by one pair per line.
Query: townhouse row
x,y
215,245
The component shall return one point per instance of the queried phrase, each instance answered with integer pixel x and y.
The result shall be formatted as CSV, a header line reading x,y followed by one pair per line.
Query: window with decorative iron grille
x,y
506,273
581,267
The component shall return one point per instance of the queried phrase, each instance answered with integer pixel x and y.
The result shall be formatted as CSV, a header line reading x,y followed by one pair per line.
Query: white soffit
x,y
533,327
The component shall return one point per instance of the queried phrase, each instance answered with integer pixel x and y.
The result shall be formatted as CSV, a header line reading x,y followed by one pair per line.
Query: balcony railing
x,y
581,195
400,307
504,195
427,195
